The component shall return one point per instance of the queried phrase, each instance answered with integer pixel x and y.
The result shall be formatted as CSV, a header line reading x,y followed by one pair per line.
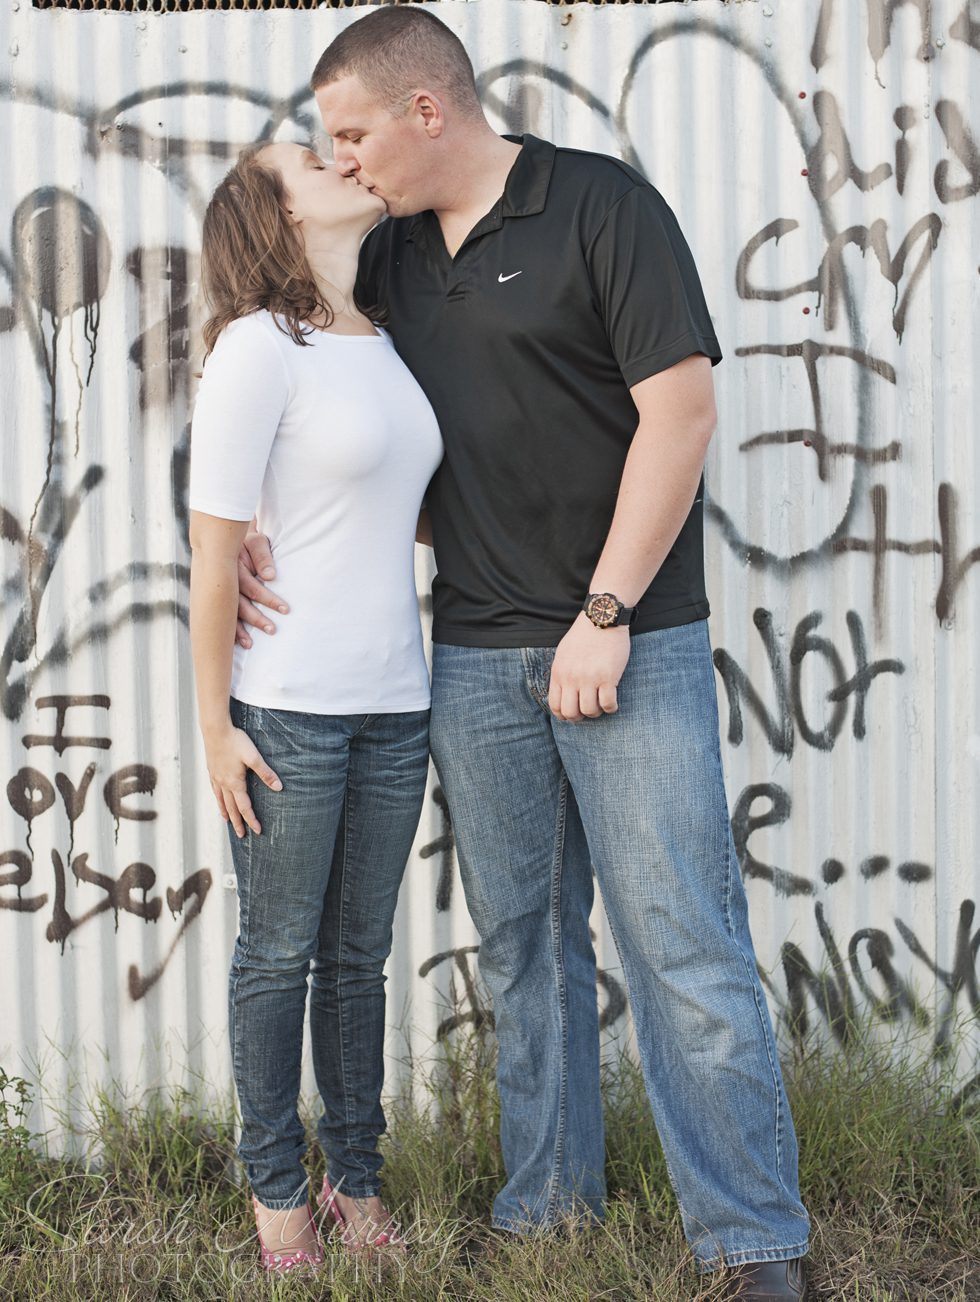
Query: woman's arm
x,y
214,604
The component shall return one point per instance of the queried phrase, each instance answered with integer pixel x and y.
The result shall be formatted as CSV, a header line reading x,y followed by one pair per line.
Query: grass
x,y
890,1172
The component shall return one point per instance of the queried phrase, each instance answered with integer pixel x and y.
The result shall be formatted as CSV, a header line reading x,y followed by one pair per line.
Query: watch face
x,y
603,610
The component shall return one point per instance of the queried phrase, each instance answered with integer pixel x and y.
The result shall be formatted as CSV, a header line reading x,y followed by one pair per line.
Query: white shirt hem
x,y
273,702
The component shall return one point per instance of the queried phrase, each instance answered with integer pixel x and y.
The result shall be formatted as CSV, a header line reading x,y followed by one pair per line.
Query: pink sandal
x,y
384,1238
283,1262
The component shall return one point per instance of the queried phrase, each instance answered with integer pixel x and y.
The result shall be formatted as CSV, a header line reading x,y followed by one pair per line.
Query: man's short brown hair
x,y
393,52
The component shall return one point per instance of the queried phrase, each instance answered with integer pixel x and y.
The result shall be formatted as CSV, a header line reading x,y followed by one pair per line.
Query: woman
x,y
316,738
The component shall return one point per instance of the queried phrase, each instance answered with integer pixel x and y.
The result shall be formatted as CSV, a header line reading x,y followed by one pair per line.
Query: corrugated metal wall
x,y
824,162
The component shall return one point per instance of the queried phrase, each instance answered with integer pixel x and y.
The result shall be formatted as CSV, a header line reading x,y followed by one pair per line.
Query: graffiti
x,y
827,287
60,263
954,563
472,1007
444,846
828,280
59,741
871,954
31,794
745,822
810,354
966,28
833,150
790,714
40,542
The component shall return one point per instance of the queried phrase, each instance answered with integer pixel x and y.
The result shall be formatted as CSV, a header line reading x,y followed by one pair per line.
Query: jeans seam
x,y
761,1012
751,969
619,952
341,931
274,1204
562,999
237,963
366,1175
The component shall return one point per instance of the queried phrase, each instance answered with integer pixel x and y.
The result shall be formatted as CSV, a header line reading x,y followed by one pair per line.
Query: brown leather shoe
x,y
768,1281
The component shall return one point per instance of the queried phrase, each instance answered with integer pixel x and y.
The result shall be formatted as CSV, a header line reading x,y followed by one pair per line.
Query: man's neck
x,y
486,160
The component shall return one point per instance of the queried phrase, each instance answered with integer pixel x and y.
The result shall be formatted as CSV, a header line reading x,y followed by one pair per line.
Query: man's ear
x,y
430,109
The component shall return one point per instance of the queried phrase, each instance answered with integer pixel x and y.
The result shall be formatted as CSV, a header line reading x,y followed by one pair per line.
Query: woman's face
x,y
319,197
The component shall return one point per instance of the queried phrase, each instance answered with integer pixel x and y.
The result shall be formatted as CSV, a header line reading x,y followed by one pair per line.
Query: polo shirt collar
x,y
527,184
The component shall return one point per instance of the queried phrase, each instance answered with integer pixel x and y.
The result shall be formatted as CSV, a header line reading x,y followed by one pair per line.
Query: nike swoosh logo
x,y
501,278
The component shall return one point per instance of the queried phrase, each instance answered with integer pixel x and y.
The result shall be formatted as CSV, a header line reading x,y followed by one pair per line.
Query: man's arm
x,y
255,563
677,417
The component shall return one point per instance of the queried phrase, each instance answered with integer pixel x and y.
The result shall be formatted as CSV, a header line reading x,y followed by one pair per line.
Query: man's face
x,y
382,152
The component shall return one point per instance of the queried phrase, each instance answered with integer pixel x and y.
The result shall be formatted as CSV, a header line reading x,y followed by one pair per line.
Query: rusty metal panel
x,y
823,161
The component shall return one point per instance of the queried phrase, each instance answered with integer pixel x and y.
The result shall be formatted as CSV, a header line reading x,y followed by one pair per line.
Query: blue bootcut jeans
x,y
639,796
317,891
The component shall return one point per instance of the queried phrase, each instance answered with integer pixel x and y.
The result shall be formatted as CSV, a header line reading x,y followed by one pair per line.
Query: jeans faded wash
x,y
317,892
637,796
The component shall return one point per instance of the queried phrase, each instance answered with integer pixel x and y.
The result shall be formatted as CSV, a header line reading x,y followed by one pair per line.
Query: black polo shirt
x,y
576,285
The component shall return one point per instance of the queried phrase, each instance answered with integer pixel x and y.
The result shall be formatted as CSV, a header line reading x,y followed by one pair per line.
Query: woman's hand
x,y
230,753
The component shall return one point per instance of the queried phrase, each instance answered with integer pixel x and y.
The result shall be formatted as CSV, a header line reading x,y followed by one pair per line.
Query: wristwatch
x,y
607,611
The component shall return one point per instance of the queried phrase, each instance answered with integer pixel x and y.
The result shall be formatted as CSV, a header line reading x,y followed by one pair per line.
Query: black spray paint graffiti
x,y
816,437
469,1006
879,19
745,821
60,265
444,846
469,1003
31,794
790,713
60,255
955,563
831,164
827,282
161,351
870,950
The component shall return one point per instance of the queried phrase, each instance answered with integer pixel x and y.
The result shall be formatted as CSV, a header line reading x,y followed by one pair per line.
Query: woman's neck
x,y
333,261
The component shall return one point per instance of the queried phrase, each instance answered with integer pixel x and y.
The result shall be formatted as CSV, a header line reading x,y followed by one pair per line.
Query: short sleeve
x,y
240,401
647,287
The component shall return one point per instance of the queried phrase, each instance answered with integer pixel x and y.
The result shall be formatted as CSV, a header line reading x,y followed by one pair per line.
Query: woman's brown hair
x,y
253,256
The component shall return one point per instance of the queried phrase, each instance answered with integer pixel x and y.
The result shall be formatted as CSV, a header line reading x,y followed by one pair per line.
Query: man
x,y
549,305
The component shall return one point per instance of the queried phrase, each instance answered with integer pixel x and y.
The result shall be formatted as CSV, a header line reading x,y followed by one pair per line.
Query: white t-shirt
x,y
332,447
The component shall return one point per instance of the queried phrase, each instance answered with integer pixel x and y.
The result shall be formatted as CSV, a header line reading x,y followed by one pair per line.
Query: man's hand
x,y
586,670
255,559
